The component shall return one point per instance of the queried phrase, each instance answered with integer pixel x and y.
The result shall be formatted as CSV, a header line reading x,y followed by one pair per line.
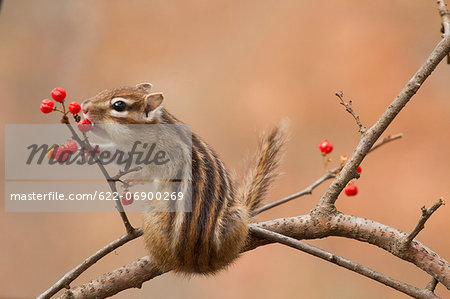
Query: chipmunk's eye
x,y
119,106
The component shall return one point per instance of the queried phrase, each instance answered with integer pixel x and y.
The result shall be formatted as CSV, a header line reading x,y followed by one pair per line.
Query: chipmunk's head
x,y
124,105
112,110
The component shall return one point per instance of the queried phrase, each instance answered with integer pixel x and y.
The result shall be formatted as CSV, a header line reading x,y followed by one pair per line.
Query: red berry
x,y
71,146
358,170
351,190
47,106
59,94
127,198
325,147
74,108
84,125
62,154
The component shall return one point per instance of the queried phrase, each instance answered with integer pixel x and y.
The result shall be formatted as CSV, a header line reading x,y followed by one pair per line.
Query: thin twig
x,y
308,190
124,172
328,175
112,185
385,140
349,109
445,21
431,286
426,213
445,16
85,144
343,262
70,276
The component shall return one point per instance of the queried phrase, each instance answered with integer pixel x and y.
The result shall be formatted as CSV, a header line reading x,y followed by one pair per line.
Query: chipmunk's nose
x,y
85,106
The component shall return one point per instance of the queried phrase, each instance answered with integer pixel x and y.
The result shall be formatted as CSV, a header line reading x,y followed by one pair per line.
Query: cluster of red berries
x,y
325,148
59,95
61,153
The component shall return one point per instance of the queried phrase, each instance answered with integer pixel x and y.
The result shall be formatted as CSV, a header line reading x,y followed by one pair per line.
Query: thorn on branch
x,y
124,172
426,213
349,109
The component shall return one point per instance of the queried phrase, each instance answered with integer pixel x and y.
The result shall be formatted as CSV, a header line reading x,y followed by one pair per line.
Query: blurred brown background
x,y
232,68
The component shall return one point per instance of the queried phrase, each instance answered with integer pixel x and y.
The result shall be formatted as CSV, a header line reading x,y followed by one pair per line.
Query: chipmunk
x,y
213,233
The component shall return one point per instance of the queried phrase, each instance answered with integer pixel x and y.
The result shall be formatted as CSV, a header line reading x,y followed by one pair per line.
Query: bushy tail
x,y
264,169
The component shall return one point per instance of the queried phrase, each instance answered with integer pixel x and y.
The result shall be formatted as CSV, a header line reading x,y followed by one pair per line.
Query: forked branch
x,y
84,143
328,199
70,276
426,213
349,108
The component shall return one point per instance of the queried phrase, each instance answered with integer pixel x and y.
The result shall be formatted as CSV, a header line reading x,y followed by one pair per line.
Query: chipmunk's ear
x,y
144,86
152,101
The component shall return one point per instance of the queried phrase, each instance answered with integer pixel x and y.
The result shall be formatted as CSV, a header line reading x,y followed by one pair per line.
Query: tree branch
x,y
328,199
121,173
343,262
431,286
445,21
445,16
132,275
300,227
349,109
131,232
338,224
308,190
70,276
111,182
426,213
